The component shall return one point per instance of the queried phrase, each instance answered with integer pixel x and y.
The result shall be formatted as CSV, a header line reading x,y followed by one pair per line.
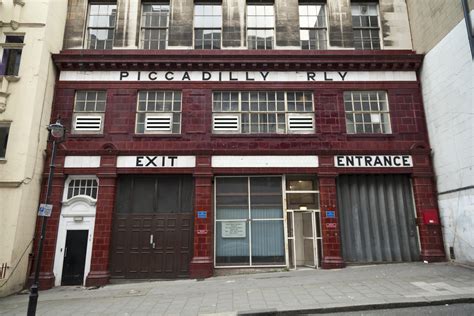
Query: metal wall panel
x,y
377,218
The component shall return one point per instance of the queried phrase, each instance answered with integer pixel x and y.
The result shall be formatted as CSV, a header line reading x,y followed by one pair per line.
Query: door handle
x,y
151,239
153,245
65,252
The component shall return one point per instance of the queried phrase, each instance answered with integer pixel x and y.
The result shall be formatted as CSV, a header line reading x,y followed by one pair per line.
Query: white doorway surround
x,y
77,213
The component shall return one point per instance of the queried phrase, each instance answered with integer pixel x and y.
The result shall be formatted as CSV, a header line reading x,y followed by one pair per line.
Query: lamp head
x,y
56,129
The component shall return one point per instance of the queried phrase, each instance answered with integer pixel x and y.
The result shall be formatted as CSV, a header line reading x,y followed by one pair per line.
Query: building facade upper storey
x,y
215,135
30,31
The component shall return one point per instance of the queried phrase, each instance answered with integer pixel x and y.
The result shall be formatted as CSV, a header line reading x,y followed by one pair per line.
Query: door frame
x,y
78,213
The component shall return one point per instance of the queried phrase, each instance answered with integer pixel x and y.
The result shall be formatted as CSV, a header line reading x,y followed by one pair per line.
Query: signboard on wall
x,y
156,162
233,229
237,76
379,161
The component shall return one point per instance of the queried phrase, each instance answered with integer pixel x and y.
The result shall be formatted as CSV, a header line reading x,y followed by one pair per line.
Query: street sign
x,y
45,210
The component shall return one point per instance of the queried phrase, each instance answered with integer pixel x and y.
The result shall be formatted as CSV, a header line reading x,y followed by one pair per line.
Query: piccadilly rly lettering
x,y
224,76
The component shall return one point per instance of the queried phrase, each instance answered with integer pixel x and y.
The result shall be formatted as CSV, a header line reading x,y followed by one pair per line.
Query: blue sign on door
x,y
330,214
202,214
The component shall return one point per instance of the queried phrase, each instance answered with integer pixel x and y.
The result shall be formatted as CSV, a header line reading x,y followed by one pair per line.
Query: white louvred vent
x,y
158,122
301,123
88,123
225,123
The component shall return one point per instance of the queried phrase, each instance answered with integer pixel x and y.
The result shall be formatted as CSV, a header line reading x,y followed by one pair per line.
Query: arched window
x,y
82,186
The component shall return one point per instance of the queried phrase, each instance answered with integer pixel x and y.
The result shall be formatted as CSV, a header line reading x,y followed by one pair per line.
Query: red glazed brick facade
x,y
408,137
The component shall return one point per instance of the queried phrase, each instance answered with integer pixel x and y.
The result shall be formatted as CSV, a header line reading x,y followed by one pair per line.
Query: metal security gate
x,y
152,234
377,218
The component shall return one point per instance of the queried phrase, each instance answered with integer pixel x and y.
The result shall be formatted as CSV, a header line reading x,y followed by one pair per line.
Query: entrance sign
x,y
237,76
399,161
156,162
45,210
233,229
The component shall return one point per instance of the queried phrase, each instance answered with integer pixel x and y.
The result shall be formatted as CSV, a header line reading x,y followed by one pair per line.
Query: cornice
x,y
251,60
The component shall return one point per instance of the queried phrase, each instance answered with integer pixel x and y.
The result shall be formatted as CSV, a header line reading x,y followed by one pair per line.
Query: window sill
x,y
10,78
264,135
157,135
370,136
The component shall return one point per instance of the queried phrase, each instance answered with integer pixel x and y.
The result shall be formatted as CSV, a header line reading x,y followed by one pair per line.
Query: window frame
x,y
159,28
8,50
325,28
195,28
87,41
272,29
368,112
285,112
159,113
72,178
7,126
361,28
76,113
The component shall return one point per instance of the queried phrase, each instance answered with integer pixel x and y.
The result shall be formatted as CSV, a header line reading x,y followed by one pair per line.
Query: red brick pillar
x,y
202,263
431,238
99,273
46,277
332,257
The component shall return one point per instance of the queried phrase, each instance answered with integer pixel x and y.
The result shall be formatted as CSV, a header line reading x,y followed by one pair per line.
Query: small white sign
x,y
45,210
156,162
265,161
379,161
233,229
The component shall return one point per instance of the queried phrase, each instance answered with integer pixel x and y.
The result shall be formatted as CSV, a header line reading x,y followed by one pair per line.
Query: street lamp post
x,y
56,130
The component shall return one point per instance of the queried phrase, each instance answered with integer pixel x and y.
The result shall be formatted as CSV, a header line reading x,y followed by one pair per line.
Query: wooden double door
x,y
153,228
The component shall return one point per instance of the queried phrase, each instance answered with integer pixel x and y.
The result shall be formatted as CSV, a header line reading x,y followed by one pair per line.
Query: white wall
x,y
447,85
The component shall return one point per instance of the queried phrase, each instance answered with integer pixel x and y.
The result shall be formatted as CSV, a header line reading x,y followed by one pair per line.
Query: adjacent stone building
x,y
441,31
219,135
30,31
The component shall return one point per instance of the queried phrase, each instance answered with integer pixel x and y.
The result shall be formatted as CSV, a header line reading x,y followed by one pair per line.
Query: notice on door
x,y
233,229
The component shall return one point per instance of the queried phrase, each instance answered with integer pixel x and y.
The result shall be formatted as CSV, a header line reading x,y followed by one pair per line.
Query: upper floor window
x,y
89,109
263,112
207,26
365,24
10,64
154,25
367,112
4,131
159,112
260,26
82,186
313,29
101,26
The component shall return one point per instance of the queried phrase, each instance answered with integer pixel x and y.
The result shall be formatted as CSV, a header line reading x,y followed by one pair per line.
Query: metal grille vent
x,y
88,123
301,123
226,123
158,122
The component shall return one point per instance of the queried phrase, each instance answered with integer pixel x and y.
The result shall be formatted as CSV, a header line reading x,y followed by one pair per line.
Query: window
x,y
159,112
89,109
367,112
12,47
313,29
207,26
4,131
249,221
154,28
260,26
365,24
263,112
82,186
101,26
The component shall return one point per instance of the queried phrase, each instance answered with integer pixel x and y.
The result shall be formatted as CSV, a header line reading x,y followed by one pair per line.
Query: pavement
x,y
308,291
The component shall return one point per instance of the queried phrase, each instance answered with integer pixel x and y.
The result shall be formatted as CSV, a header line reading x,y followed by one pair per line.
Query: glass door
x,y
308,239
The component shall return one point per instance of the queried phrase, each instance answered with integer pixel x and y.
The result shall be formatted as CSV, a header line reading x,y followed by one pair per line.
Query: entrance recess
x,y
74,257
153,227
303,222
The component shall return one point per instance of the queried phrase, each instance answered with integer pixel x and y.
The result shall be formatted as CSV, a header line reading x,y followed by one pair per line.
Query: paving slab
x,y
356,287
